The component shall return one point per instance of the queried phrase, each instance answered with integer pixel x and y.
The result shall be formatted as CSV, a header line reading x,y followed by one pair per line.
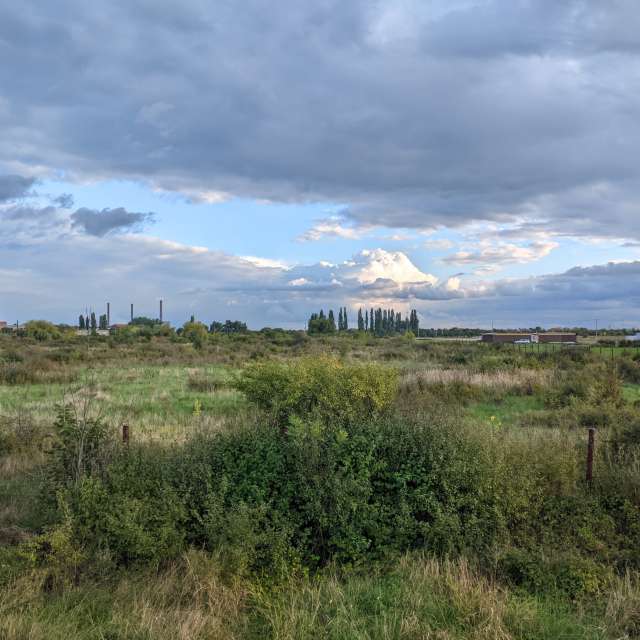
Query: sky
x,y
473,159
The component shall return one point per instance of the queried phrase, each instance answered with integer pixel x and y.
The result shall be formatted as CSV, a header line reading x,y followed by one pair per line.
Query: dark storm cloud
x,y
100,223
26,224
13,187
412,114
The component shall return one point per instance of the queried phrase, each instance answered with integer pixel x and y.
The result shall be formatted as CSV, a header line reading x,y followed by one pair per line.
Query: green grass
x,y
166,391
506,411
156,401
418,598
414,599
631,392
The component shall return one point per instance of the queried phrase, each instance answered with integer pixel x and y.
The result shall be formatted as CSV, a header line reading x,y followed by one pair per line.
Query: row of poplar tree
x,y
90,322
380,322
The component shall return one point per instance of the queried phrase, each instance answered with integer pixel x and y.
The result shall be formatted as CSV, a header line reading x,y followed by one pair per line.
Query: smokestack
x,y
160,310
108,314
132,312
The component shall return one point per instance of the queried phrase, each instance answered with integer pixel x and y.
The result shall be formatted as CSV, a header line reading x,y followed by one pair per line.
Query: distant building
x,y
527,338
3,324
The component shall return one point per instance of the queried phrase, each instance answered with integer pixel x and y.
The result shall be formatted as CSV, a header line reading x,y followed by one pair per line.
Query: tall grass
x,y
320,503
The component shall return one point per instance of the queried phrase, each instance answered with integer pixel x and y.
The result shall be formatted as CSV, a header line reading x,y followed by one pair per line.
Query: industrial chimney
x,y
108,315
132,312
160,310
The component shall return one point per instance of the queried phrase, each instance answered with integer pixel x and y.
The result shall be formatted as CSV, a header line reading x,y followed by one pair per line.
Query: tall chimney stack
x,y
132,312
108,314
160,310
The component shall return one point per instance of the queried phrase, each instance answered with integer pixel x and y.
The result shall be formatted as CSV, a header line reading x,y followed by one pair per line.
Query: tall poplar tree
x,y
332,320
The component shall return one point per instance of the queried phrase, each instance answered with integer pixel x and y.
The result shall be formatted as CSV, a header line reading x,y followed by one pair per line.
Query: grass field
x,y
492,535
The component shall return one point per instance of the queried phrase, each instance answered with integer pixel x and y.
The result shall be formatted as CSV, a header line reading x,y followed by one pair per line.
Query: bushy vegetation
x,y
356,488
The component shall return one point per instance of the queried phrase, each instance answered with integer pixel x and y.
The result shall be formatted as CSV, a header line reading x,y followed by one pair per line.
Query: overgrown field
x,y
287,487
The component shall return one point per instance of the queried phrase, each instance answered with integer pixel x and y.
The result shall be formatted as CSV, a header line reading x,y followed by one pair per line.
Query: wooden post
x,y
125,434
590,449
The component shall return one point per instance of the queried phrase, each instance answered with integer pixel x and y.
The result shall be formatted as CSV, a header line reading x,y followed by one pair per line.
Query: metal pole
x,y
590,449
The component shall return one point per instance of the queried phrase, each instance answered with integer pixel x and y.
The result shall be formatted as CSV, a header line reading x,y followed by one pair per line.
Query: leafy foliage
x,y
321,388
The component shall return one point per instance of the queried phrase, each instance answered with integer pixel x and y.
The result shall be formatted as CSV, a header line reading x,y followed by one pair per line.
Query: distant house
x,y
3,324
526,338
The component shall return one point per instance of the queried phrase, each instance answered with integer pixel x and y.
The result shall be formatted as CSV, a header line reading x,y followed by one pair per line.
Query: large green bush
x,y
263,499
321,388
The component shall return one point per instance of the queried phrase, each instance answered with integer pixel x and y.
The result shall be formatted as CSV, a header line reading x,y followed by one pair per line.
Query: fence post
x,y
125,434
590,449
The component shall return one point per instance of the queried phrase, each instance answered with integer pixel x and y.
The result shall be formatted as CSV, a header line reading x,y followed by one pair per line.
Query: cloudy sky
x,y
474,159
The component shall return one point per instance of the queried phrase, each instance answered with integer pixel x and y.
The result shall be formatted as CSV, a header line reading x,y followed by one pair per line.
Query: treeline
x,y
319,323
90,323
379,322
453,332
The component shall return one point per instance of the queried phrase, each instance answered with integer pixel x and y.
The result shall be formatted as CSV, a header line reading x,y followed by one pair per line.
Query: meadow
x,y
276,485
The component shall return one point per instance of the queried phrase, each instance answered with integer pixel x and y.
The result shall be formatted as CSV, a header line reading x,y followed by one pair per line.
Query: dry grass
x,y
622,616
189,601
422,599
500,380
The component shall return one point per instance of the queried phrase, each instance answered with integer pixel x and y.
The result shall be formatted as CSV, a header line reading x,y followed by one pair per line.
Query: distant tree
x,y
414,322
361,326
94,324
143,321
318,324
229,326
332,320
195,332
345,320
340,322
42,330
81,324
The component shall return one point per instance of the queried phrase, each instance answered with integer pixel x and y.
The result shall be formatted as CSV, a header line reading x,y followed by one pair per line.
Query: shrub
x,y
597,384
196,333
570,574
132,512
79,448
322,388
42,330
205,384
629,369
